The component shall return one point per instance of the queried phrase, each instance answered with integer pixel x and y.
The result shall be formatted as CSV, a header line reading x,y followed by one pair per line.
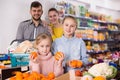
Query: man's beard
x,y
36,19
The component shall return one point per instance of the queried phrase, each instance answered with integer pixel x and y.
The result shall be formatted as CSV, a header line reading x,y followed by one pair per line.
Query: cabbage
x,y
103,69
114,73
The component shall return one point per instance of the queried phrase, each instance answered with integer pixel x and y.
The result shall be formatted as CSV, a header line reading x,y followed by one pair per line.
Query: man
x,y
29,29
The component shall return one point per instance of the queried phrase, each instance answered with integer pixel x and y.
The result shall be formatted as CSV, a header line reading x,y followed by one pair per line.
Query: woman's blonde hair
x,y
41,37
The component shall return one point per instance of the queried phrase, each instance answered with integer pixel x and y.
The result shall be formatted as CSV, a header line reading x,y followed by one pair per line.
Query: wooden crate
x,y
68,76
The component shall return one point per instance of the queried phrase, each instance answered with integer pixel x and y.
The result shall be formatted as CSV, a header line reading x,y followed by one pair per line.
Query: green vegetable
x,y
87,73
113,74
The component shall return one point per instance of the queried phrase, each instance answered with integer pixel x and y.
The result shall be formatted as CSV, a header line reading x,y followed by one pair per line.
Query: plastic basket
x,y
19,59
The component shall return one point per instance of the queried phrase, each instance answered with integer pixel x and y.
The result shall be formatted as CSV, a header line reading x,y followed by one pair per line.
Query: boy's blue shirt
x,y
73,48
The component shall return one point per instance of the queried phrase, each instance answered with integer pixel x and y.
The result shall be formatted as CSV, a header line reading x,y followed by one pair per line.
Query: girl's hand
x,y
60,59
33,56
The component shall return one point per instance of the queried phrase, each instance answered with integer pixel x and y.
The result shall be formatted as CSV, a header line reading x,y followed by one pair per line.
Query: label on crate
x,y
24,68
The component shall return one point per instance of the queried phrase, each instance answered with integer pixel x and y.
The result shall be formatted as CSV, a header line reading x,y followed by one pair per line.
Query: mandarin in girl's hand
x,y
34,54
58,55
12,78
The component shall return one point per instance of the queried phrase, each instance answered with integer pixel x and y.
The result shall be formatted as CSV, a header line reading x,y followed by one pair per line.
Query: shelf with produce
x,y
93,20
96,52
99,41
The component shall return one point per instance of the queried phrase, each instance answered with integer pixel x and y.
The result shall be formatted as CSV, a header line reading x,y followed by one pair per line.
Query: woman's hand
x,y
50,30
44,23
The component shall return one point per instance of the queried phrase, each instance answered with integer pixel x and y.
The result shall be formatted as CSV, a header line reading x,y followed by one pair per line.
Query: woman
x,y
56,29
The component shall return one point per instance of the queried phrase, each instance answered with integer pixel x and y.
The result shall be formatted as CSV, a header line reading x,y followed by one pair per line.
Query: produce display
x,y
103,69
32,76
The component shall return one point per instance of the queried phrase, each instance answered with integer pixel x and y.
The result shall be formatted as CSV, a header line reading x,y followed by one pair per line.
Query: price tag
x,y
24,68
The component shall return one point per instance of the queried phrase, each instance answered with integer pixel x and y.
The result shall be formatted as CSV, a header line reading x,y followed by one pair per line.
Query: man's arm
x,y
19,34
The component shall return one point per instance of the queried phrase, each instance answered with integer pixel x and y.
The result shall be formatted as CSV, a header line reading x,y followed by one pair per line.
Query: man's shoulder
x,y
26,21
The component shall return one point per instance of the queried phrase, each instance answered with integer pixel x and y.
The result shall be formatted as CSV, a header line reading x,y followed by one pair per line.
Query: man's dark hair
x,y
53,9
35,4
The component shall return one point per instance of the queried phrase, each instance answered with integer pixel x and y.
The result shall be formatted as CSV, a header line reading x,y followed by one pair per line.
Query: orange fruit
x,y
78,73
19,75
41,75
25,75
73,63
34,54
31,78
51,75
99,78
79,63
58,55
12,78
2,67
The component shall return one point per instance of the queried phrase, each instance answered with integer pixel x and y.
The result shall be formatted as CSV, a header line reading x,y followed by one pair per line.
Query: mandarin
x,y
51,75
34,54
58,55
99,78
25,75
79,64
12,78
78,73
73,63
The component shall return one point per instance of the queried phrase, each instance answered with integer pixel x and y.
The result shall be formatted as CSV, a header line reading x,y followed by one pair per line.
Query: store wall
x,y
13,12
108,7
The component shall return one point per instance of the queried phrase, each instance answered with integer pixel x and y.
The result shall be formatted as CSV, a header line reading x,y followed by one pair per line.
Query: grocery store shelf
x,y
98,52
104,41
94,20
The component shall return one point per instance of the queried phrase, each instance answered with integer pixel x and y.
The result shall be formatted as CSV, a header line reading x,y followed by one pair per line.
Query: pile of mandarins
x,y
32,76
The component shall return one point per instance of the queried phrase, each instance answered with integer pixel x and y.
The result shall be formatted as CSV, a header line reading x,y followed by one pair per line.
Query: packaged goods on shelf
x,y
4,59
19,59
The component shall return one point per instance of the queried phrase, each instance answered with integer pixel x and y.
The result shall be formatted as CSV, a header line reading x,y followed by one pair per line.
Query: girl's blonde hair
x,y
70,17
41,37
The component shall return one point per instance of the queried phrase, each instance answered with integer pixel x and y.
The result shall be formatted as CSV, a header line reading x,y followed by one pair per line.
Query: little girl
x,y
44,62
